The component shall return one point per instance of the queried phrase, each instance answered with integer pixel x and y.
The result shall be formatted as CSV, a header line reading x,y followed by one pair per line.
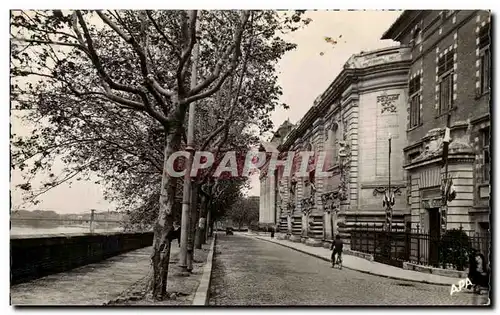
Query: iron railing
x,y
418,246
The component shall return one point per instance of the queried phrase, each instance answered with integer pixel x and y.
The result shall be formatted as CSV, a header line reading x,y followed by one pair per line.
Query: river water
x,y
22,230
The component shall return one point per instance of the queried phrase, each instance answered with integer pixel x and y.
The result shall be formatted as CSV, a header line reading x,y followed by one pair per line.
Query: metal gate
x,y
388,248
391,248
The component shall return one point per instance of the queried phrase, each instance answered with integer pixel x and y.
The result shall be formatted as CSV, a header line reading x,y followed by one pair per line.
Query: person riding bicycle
x,y
337,247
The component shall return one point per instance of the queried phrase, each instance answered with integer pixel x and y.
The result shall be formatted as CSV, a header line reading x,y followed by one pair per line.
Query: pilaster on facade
x,y
319,145
351,116
272,199
299,197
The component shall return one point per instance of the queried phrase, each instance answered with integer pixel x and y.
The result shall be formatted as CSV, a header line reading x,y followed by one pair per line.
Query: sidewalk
x,y
363,265
93,284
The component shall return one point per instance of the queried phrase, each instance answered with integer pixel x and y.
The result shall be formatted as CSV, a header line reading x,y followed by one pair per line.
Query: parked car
x,y
229,231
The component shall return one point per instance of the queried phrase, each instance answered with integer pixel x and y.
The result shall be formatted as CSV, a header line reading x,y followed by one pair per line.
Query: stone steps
x,y
283,225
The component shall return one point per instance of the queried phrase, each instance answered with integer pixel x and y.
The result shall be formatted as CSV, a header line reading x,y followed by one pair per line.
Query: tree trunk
x,y
200,231
193,218
160,257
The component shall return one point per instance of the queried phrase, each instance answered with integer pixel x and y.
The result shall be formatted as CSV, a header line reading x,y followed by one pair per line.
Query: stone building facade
x,y
351,121
450,71
269,194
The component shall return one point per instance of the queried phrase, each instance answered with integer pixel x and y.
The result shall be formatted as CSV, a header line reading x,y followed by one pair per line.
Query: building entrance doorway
x,y
434,236
484,228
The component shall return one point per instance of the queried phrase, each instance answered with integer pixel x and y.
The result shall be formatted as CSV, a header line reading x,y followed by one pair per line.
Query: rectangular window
x,y
414,85
484,36
445,73
446,93
415,111
445,63
485,58
486,154
485,70
414,90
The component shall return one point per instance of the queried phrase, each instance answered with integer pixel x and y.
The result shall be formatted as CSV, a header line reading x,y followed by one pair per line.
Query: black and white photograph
x,y
250,157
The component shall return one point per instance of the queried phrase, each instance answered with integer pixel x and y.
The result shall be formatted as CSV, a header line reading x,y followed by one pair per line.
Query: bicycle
x,y
338,261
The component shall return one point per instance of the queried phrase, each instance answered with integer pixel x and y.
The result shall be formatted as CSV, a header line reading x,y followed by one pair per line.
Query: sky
x,y
303,75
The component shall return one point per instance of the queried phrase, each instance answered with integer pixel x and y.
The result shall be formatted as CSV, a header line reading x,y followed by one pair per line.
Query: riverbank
x,y
17,231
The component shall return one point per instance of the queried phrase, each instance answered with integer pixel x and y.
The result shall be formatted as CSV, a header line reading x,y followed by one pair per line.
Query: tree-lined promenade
x,y
108,92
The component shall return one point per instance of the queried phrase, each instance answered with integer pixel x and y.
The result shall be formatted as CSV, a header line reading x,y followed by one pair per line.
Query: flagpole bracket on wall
x,y
381,190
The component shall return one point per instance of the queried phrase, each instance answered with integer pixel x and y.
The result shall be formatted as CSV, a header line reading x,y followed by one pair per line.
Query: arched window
x,y
308,147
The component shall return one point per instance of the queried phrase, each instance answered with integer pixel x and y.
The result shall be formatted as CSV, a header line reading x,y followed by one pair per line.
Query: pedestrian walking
x,y
175,234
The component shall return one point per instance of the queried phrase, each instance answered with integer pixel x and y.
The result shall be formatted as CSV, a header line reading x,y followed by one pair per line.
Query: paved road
x,y
248,271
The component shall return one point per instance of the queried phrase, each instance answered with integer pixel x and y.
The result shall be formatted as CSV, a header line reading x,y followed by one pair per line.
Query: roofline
x,y
334,90
391,32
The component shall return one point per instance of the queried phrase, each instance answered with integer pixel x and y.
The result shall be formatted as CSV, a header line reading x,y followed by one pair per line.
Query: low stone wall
x,y
359,254
435,271
35,257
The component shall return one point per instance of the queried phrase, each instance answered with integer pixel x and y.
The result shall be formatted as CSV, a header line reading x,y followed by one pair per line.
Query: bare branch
x,y
146,105
50,42
105,19
217,72
148,79
157,27
189,36
74,25
234,102
97,62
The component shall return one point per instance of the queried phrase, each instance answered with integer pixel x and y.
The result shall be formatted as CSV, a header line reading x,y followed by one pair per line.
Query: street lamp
x,y
186,251
389,201
447,189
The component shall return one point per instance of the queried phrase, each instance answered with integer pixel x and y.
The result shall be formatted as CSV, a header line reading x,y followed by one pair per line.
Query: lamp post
x,y
186,196
388,196
92,218
446,183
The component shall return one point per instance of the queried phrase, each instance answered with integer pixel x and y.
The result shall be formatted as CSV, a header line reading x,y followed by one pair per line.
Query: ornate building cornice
x,y
363,64
452,158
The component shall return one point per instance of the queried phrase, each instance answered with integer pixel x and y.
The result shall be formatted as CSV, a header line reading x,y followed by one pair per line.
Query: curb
x,y
201,295
350,268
